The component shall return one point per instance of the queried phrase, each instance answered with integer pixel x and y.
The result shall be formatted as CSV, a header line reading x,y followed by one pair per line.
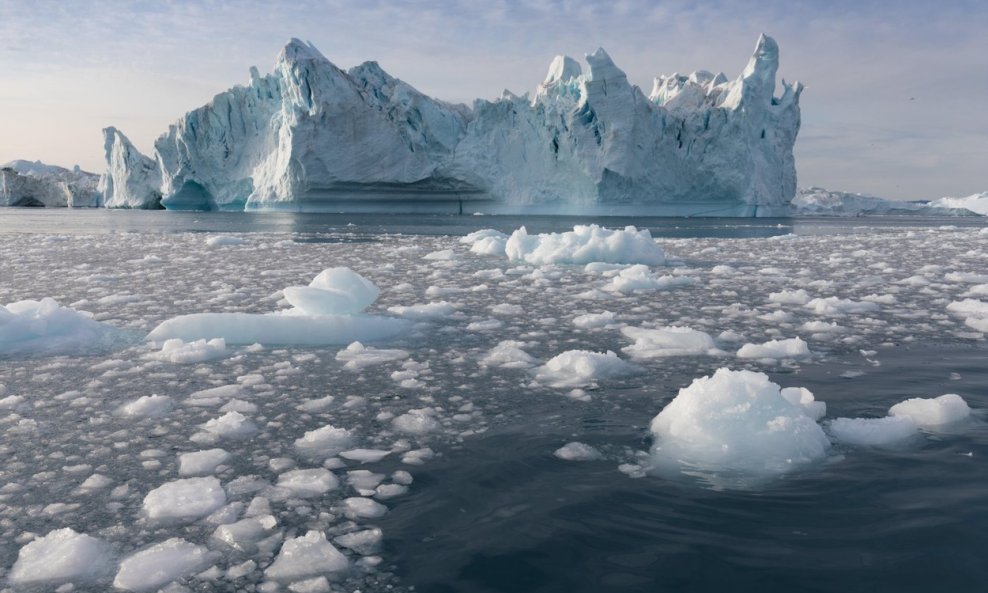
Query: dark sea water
x,y
497,512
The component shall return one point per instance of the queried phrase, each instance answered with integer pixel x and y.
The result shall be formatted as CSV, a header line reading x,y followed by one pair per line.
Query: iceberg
x,y
310,136
816,201
35,184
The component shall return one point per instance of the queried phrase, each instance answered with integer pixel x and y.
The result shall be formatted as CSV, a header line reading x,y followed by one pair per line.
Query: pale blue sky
x,y
895,102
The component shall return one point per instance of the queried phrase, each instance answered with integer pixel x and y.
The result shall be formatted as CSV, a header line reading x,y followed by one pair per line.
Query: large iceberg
x,y
35,184
310,136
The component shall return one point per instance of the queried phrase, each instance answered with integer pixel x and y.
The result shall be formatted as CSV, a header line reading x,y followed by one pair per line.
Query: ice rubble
x,y
326,312
736,422
311,136
25,183
45,327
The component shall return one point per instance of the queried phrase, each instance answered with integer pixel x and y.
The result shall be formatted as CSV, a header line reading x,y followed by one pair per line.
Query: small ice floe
x,y
579,368
834,306
225,241
185,499
365,542
973,312
577,451
872,432
62,556
232,425
792,348
669,341
508,354
245,534
308,483
357,356
733,426
309,555
486,242
417,422
324,442
359,507
327,312
152,406
595,320
639,278
423,312
201,463
161,564
585,244
177,351
932,413
46,328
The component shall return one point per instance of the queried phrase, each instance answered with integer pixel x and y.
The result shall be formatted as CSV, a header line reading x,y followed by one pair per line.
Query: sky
x,y
896,99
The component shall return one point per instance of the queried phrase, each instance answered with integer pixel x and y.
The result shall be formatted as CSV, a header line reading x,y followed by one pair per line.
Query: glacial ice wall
x,y
311,136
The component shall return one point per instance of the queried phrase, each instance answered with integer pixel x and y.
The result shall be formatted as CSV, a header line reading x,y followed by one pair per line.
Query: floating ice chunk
x,y
417,422
486,325
365,455
214,396
934,412
313,585
232,425
357,356
974,312
308,483
872,432
359,507
794,348
161,564
225,241
325,441
833,306
669,341
790,297
44,327
276,328
364,542
179,352
154,406
441,255
585,244
803,397
201,462
95,482
306,556
738,423
335,291
594,320
244,534
486,242
577,451
363,481
62,556
639,278
577,368
508,354
185,499
437,310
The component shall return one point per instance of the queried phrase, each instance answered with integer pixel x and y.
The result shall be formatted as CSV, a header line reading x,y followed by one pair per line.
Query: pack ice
x,y
312,136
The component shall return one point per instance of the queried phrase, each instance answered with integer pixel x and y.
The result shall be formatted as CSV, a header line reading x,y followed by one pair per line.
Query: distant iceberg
x,y
312,137
35,184
816,201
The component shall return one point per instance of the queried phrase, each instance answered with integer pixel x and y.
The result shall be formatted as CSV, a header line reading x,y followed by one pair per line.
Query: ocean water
x,y
493,509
